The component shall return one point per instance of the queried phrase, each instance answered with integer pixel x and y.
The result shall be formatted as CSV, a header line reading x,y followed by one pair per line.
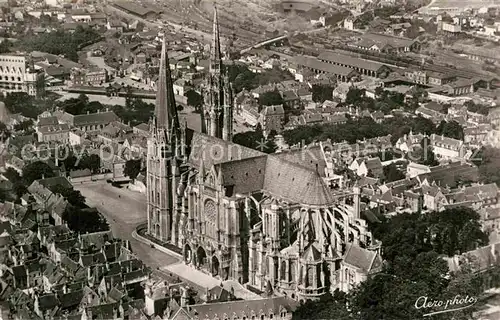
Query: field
x,y
242,22
475,4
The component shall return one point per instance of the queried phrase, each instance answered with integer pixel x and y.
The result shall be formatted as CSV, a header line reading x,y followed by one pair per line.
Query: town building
x,y
17,74
91,77
272,118
386,43
87,122
342,74
447,148
236,213
364,67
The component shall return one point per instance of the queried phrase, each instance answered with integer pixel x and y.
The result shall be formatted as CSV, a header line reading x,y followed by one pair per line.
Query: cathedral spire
x,y
166,107
215,54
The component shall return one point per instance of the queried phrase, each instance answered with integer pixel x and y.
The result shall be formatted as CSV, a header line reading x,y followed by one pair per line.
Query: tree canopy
x,y
74,197
451,129
321,93
61,42
36,170
412,247
392,173
84,220
255,140
270,98
132,168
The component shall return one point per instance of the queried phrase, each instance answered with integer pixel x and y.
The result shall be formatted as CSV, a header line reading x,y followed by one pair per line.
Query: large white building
x,y
16,75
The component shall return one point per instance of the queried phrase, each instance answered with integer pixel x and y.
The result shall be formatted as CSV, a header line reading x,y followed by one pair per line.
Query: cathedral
x,y
237,213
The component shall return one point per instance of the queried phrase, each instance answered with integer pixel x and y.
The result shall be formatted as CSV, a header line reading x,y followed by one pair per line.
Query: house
x,y
434,198
272,118
290,99
482,260
439,78
371,167
342,74
116,25
364,67
358,264
352,23
54,133
181,86
387,43
409,141
476,135
431,114
447,148
450,174
276,308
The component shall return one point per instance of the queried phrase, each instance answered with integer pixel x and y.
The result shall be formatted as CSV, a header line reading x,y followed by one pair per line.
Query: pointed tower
x,y
162,161
218,111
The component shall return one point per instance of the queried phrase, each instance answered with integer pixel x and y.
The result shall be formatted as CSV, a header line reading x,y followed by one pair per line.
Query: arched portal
x,y
215,266
188,254
202,256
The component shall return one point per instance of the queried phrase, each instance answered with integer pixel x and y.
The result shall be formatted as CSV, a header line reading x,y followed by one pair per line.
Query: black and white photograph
x,y
250,159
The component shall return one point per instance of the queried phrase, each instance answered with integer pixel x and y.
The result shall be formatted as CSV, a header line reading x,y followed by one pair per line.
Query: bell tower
x,y
162,160
217,116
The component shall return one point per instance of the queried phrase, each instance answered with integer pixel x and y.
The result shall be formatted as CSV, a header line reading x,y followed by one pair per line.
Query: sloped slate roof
x,y
361,258
247,170
95,118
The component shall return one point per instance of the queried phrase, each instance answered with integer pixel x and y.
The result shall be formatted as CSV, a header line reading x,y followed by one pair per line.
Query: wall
x,y
94,177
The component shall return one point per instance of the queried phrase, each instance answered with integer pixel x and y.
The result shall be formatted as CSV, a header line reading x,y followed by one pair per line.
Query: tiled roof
x,y
242,308
47,121
54,181
382,40
449,174
362,259
445,142
314,63
212,150
280,178
352,62
95,118
485,257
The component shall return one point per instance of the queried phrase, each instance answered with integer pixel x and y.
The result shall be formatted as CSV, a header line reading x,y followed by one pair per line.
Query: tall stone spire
x,y
215,54
166,107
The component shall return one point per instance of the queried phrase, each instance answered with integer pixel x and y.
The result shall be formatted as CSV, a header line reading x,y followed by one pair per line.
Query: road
x,y
124,210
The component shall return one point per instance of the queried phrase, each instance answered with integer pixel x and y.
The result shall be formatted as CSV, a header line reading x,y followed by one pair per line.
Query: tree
x,y
270,98
74,197
12,175
21,102
328,307
488,161
91,162
392,173
321,93
423,154
4,132
354,96
476,108
194,99
61,42
255,140
35,171
24,126
87,220
132,168
451,129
